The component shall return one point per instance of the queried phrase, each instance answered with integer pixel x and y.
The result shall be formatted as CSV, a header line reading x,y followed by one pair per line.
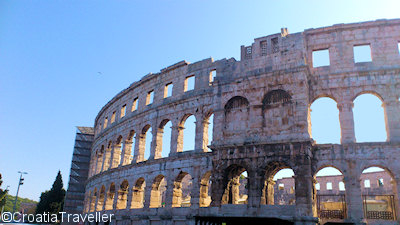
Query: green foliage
x,y
10,203
52,201
3,194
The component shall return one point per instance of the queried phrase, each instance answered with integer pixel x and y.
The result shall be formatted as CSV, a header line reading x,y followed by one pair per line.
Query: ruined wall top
x,y
274,54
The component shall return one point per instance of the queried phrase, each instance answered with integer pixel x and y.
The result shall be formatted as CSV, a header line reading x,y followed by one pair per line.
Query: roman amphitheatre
x,y
259,108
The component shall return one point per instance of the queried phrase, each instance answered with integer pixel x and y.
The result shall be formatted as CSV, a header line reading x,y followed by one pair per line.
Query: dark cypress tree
x,y
52,201
3,194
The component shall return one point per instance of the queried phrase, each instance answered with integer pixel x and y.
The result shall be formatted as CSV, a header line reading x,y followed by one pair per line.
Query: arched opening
x,y
208,130
158,192
189,133
236,114
277,112
279,185
369,119
93,200
182,189
100,155
379,193
164,139
117,150
236,190
284,188
123,195
138,194
205,190
110,197
330,194
325,124
145,143
100,202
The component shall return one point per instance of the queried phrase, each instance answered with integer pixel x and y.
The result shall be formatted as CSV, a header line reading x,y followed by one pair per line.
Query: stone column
x,y
270,199
126,153
106,160
158,140
396,192
255,190
218,189
195,192
115,200
346,122
116,155
138,155
153,148
392,119
354,200
176,139
176,194
99,163
169,193
303,193
199,136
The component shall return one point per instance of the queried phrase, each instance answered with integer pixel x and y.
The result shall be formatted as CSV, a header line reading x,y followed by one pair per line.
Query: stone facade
x,y
261,109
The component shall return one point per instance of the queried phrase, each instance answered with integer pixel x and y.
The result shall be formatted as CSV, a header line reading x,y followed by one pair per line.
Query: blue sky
x,y
51,53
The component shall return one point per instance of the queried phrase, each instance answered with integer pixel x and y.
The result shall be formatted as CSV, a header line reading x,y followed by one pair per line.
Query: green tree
x,y
3,194
52,201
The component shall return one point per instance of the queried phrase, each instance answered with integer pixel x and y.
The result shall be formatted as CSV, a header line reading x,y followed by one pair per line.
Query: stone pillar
x,y
176,139
396,192
158,140
199,136
392,119
153,148
354,199
255,190
303,194
218,189
116,155
126,153
115,200
139,154
170,194
99,163
346,122
195,192
176,194
270,199
106,160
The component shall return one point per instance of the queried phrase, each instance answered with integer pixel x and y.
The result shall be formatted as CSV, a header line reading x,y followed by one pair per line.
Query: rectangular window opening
x,y
134,104
329,186
123,111
398,47
150,97
213,74
105,122
189,83
275,45
320,58
281,186
341,186
168,90
263,47
113,117
380,182
367,184
362,53
317,186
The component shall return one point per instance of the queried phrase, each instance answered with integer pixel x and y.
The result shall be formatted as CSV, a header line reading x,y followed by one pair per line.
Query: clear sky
x,y
51,53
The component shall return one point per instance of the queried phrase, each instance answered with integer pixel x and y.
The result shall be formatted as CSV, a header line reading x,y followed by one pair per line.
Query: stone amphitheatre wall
x,y
261,108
